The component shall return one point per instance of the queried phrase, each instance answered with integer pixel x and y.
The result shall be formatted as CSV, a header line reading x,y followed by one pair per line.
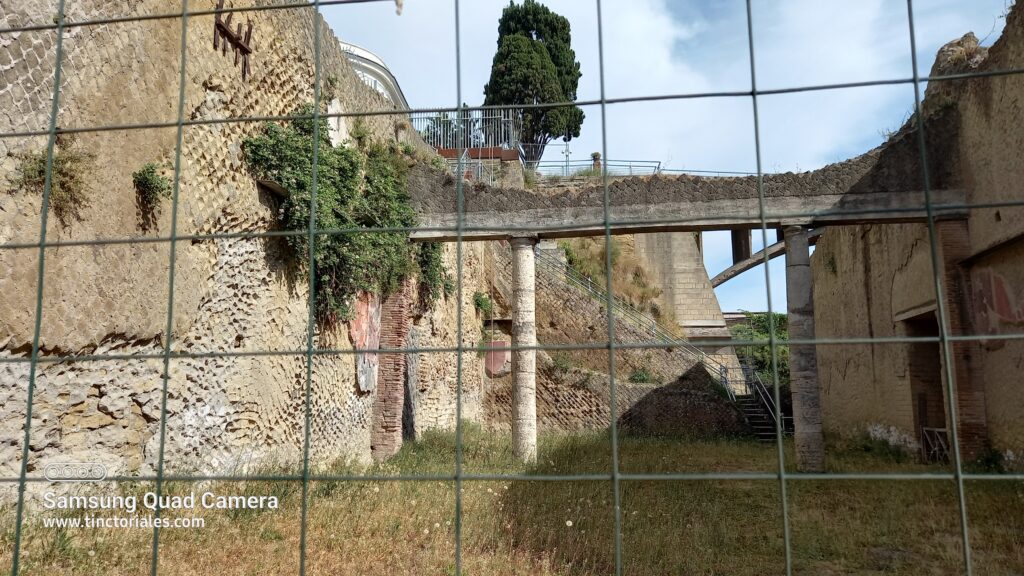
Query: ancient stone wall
x,y
877,280
236,298
434,375
872,271
576,399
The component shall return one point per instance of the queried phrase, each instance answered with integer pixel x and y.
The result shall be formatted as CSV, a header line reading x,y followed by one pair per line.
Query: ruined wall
x,y
573,399
877,273
433,377
235,296
567,315
870,384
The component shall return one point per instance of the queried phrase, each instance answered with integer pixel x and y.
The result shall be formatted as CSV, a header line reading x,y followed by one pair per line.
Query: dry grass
x,y
522,527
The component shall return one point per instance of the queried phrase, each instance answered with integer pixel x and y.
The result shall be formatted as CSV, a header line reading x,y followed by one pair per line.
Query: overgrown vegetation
x,y
434,279
630,280
69,193
566,528
759,356
151,185
483,304
356,189
562,361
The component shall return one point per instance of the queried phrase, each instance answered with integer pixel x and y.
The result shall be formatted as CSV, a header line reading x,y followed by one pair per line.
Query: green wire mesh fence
x,y
783,475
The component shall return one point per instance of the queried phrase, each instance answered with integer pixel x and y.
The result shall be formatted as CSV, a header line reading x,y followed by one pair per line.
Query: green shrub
x,y
758,328
330,89
563,363
878,448
150,185
642,376
360,134
355,189
483,304
69,194
988,461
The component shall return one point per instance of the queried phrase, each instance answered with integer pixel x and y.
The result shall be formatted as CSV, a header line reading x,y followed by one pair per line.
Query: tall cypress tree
x,y
535,64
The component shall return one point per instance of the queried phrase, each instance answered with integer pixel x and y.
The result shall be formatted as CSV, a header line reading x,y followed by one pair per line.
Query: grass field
x,y
566,528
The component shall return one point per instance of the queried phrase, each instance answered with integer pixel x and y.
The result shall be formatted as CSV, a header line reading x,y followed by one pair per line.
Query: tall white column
x,y
524,362
803,362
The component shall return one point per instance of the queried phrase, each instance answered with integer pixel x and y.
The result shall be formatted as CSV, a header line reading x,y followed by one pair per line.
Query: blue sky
x,y
659,47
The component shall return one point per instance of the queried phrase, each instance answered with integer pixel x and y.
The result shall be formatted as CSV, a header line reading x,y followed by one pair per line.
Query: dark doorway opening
x,y
926,389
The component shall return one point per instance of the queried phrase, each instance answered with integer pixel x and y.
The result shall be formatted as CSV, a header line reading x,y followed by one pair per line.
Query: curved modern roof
x,y
375,73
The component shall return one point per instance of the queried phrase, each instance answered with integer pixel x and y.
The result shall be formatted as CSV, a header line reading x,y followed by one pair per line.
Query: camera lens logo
x,y
75,472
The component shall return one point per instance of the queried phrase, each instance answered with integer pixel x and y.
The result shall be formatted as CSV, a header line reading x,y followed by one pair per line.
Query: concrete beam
x,y
722,214
803,362
524,362
741,244
775,250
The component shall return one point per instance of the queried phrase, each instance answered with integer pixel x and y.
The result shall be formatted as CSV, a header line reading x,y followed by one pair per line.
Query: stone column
x,y
803,362
524,362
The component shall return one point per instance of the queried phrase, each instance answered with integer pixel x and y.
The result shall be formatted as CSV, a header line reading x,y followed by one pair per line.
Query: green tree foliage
x,y
759,356
535,64
354,189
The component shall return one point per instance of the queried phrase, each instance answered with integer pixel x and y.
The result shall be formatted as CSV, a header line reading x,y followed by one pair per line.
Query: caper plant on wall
x,y
151,187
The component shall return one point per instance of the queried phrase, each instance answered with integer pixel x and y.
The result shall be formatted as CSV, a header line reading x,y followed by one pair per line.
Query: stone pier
x,y
803,364
524,362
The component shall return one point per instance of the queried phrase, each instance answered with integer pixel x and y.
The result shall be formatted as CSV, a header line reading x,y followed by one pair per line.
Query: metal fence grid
x,y
945,338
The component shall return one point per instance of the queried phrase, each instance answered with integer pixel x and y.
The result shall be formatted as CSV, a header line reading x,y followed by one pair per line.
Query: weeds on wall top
x,y
355,189
69,194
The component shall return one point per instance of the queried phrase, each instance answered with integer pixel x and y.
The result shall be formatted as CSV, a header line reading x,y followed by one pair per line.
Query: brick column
x,y
803,362
395,320
972,420
524,362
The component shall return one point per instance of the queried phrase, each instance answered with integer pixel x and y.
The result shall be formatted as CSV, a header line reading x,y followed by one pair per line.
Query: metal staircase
x,y
758,407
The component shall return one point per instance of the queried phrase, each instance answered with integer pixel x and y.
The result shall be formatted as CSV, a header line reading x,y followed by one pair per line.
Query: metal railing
x,y
592,169
635,318
491,128
760,391
474,169
707,172
934,444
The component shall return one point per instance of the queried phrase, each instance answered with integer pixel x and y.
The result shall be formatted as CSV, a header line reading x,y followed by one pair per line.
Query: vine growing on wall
x,y
356,189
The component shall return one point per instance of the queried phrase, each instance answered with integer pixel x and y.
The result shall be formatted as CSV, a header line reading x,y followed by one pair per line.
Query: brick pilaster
x,y
972,421
395,320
